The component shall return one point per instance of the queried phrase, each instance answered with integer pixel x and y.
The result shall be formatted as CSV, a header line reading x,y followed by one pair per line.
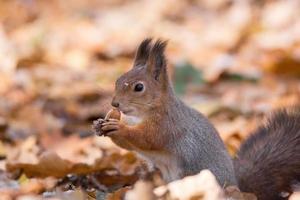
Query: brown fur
x,y
176,138
268,163
146,105
180,141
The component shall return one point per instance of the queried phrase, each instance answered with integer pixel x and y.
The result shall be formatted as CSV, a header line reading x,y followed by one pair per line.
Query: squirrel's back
x,y
197,144
268,163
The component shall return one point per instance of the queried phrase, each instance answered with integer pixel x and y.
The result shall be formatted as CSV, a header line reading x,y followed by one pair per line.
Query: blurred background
x,y
233,60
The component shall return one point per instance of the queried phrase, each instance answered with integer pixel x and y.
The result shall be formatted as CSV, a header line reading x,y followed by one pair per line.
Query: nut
x,y
113,114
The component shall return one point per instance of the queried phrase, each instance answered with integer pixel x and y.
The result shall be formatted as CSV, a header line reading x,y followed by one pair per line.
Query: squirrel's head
x,y
142,88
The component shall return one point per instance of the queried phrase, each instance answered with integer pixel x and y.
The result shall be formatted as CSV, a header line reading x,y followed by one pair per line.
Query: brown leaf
x,y
50,164
201,186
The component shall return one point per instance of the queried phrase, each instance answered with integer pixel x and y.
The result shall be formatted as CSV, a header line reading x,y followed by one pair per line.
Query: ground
x,y
235,61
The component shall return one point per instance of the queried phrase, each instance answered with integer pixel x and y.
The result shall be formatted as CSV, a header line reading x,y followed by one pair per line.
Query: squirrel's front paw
x,y
97,124
112,126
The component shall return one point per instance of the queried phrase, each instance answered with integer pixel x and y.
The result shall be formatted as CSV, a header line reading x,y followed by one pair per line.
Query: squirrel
x,y
180,141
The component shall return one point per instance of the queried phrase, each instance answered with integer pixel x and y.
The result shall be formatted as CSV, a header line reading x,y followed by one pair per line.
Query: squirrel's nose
x,y
114,103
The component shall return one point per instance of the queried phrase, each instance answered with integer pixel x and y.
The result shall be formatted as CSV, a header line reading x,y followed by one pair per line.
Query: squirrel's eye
x,y
138,87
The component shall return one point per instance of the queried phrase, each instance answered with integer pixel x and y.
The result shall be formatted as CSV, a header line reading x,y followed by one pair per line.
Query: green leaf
x,y
186,74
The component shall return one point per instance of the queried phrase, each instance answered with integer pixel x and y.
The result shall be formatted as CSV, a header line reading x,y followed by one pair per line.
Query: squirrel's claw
x,y
110,127
97,124
107,127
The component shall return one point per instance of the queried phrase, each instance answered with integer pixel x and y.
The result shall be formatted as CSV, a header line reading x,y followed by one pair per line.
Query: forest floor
x,y
234,61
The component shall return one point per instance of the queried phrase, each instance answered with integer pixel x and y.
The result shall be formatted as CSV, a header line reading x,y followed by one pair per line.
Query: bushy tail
x,y
268,163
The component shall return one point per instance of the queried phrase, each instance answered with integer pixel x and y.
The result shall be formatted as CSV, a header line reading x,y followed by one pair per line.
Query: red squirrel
x,y
180,141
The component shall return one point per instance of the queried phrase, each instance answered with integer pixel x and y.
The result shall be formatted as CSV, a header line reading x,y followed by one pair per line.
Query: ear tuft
x,y
143,52
157,58
153,56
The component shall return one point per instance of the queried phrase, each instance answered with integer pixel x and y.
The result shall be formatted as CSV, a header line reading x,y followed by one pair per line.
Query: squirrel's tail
x,y
268,163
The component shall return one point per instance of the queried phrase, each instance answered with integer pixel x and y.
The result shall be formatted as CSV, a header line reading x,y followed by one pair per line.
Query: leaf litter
x,y
59,61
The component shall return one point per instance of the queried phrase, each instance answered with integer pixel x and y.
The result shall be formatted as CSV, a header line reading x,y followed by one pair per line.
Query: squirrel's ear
x,y
157,63
142,53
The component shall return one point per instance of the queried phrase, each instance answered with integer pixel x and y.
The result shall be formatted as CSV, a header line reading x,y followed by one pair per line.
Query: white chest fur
x,y
130,120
